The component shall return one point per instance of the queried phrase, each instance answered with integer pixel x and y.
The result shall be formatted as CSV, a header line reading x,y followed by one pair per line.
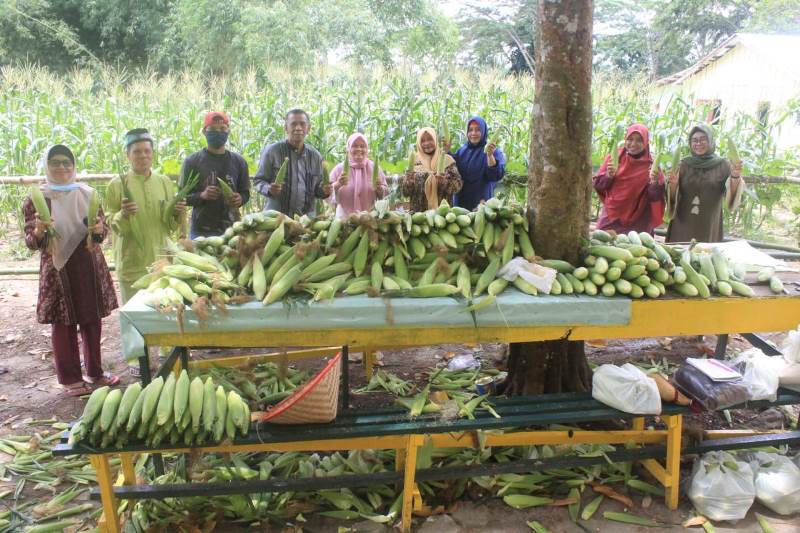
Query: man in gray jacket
x,y
303,185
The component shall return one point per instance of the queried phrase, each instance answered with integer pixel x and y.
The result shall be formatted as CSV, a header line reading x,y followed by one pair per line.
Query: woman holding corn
x,y
481,165
697,190
434,176
630,186
355,190
75,287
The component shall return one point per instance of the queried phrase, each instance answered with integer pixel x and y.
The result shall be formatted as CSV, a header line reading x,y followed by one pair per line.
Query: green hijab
x,y
707,160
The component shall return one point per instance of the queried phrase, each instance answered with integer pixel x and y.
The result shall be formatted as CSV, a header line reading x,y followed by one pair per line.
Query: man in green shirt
x,y
139,232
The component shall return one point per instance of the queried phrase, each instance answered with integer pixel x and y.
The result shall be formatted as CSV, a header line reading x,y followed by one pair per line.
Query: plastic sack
x,y
463,362
777,481
790,375
791,346
626,388
760,373
721,487
711,395
540,277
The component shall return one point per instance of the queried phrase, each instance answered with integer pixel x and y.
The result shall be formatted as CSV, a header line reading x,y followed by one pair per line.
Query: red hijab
x,y
628,200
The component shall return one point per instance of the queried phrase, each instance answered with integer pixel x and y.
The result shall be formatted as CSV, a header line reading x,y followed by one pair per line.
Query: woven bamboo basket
x,y
314,402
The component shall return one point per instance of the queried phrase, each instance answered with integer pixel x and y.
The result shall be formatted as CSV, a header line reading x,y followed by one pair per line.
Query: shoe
x,y
107,379
77,390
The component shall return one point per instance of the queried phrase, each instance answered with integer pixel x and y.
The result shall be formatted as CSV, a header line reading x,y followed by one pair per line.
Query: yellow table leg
x,y
109,522
369,361
638,423
673,464
414,441
128,472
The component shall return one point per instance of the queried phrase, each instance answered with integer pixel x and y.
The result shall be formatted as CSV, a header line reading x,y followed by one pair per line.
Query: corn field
x,y
90,110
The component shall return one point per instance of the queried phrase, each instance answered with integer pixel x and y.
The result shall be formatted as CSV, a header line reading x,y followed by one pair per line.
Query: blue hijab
x,y
473,166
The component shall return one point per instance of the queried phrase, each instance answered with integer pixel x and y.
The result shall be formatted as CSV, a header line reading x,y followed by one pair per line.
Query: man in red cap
x,y
212,212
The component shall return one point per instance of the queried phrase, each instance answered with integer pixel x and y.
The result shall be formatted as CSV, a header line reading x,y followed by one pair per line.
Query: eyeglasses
x,y
66,163
700,140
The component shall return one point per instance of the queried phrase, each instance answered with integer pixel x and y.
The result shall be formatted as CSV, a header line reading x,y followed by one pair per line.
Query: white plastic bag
x,y
722,488
761,373
626,388
777,481
540,277
790,376
791,346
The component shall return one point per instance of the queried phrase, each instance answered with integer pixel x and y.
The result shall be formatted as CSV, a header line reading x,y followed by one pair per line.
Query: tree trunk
x,y
559,179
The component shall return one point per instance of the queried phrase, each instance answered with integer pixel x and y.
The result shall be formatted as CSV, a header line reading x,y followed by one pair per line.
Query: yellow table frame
x,y
407,446
649,318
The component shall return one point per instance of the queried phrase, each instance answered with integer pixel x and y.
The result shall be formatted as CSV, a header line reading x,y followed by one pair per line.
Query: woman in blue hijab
x,y
480,164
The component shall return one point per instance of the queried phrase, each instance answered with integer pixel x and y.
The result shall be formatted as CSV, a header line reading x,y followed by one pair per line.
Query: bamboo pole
x,y
755,244
24,271
29,180
770,180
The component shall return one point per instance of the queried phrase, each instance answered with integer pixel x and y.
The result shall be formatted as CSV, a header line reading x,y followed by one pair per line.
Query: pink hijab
x,y
358,194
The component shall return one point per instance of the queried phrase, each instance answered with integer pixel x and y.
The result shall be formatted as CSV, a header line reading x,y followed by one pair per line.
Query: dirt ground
x,y
29,390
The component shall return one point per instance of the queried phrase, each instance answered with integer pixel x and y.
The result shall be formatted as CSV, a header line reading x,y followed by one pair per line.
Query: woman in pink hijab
x,y
355,192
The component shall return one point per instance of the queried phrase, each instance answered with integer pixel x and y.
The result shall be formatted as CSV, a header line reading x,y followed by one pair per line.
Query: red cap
x,y
211,116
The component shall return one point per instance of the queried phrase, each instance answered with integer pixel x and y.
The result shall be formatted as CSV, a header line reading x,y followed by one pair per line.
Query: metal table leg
x,y
345,399
722,344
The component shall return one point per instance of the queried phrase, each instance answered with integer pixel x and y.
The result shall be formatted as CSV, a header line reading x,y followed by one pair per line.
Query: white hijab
x,y
69,206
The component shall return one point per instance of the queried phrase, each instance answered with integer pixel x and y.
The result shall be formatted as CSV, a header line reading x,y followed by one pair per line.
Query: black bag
x,y
712,395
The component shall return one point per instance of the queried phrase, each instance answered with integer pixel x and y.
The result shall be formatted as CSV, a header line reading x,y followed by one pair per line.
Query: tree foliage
x,y
633,36
664,37
775,16
225,36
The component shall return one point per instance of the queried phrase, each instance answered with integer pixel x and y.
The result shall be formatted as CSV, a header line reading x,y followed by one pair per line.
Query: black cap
x,y
137,134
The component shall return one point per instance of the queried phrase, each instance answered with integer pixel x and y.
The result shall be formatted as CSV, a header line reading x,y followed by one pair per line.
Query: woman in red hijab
x,y
631,188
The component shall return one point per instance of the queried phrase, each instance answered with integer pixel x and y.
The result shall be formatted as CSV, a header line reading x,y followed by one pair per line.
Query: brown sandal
x,y
81,389
107,379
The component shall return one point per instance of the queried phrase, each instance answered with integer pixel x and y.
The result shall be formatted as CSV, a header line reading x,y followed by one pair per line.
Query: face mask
x,y
216,139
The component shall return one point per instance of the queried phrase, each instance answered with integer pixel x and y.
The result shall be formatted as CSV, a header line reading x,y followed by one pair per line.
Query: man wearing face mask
x,y
212,214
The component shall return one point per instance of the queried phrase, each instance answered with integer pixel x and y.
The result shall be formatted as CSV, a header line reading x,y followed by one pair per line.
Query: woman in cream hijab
x,y
75,287
424,186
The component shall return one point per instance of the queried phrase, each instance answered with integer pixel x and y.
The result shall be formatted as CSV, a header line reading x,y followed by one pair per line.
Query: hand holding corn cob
x,y
210,193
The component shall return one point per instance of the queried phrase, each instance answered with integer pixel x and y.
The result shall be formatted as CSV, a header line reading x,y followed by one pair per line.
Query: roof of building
x,y
768,45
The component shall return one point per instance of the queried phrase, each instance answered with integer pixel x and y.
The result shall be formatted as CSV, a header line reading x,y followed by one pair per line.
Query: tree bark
x,y
559,179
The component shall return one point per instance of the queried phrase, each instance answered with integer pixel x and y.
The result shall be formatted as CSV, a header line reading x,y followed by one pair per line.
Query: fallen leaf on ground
x,y
563,502
695,521
430,511
597,343
611,493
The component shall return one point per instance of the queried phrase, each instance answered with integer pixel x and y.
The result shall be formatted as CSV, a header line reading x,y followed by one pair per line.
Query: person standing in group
x,y
355,191
302,185
75,286
134,203
630,186
212,212
424,185
481,164
697,191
